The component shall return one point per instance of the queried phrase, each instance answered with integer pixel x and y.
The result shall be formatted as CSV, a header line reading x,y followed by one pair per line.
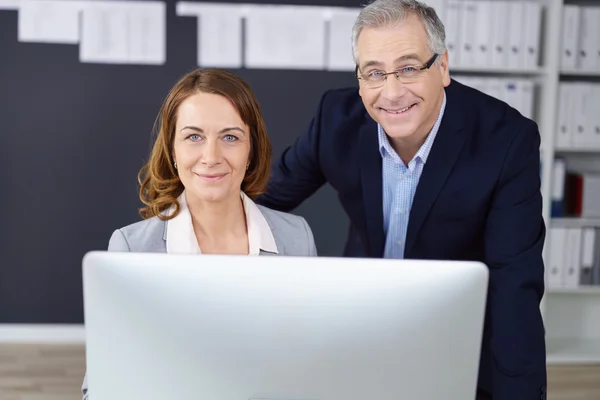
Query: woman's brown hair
x,y
159,183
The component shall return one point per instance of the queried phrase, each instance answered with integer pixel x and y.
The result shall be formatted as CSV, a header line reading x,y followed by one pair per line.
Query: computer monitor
x,y
209,327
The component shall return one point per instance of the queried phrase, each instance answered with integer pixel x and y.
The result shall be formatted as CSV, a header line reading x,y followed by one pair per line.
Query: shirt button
x,y
399,244
402,212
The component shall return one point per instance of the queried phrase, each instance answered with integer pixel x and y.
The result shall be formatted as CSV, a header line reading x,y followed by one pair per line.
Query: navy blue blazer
x,y
478,198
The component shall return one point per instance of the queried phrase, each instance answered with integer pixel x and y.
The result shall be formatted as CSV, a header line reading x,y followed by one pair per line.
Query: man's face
x,y
403,109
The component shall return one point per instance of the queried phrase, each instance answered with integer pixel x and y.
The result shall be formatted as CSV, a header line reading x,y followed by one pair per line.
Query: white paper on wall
x,y
12,5
124,32
49,21
220,36
285,37
339,46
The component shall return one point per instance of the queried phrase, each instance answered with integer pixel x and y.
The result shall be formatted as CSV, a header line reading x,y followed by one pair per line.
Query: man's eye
x,y
408,70
376,74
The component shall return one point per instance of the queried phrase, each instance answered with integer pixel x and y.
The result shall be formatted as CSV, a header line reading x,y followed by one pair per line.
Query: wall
x,y
72,139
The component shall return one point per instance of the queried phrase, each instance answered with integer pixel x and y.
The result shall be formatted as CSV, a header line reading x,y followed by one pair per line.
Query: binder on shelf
x,y
558,187
573,265
515,35
483,34
533,17
589,34
557,257
570,32
468,32
564,126
453,30
596,267
588,241
499,36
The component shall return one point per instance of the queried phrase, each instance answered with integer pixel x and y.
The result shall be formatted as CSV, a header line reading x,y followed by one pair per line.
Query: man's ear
x,y
444,69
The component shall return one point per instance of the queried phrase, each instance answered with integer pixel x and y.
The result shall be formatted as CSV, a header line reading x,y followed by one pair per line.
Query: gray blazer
x,y
292,234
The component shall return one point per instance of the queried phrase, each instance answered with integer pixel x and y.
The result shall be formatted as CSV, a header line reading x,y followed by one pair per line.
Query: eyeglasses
x,y
407,74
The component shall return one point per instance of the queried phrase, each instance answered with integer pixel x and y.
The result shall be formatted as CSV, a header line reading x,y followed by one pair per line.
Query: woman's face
x,y
211,148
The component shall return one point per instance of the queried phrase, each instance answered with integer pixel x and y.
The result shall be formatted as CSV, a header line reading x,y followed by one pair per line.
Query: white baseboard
x,y
42,333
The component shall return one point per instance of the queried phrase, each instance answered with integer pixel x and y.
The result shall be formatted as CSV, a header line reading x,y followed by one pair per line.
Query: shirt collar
x,y
385,148
181,238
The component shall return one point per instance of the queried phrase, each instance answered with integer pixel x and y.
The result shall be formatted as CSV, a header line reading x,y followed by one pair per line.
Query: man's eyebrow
x,y
373,63
406,57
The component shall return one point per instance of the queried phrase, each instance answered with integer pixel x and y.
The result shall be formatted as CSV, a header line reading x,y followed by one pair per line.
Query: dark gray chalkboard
x,y
72,139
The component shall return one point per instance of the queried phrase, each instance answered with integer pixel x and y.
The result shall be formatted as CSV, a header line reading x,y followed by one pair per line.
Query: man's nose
x,y
393,88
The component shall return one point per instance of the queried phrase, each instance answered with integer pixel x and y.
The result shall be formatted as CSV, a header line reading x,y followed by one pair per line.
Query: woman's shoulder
x,y
291,230
280,219
146,235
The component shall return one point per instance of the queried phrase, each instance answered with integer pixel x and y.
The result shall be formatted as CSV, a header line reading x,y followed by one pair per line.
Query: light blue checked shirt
x,y
399,186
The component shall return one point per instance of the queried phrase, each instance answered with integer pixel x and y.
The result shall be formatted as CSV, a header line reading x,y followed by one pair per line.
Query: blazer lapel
x,y
371,180
278,243
444,153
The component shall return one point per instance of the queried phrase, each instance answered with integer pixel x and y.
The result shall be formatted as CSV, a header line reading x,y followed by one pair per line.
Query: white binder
x,y
589,35
573,267
515,34
468,33
557,260
453,30
564,127
499,38
483,42
532,26
570,34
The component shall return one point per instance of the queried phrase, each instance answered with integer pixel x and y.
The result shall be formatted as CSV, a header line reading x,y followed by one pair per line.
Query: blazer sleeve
x,y
118,242
514,238
297,173
312,247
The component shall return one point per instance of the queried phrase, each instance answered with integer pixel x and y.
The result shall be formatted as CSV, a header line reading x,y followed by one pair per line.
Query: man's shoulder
x,y
345,102
489,114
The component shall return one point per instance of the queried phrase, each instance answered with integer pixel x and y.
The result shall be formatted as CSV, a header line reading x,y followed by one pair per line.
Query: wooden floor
x,y
55,372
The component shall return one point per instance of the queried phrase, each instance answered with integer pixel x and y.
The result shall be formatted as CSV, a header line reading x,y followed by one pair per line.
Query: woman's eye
x,y
230,138
194,137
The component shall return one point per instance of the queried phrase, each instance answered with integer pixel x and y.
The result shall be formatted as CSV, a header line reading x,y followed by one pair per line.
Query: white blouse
x,y
181,238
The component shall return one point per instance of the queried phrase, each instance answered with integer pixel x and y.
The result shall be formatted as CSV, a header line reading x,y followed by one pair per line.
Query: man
x,y
427,168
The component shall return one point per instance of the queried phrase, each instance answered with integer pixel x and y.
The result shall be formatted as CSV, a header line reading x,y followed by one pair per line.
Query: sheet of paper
x,y
49,21
123,32
9,4
187,8
339,47
104,33
147,33
285,37
220,38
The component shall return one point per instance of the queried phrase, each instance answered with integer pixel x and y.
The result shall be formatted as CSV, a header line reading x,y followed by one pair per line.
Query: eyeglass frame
x,y
426,66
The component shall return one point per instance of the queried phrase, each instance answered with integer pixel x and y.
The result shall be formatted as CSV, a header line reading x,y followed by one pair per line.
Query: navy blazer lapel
x,y
371,182
444,153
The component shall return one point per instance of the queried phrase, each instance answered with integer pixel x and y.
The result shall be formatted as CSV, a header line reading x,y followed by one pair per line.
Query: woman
x,y
211,157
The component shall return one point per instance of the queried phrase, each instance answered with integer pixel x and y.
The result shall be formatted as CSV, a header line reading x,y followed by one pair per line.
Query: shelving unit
x,y
571,315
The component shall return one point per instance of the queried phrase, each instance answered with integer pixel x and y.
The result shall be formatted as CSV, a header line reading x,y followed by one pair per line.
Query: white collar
x,y
181,238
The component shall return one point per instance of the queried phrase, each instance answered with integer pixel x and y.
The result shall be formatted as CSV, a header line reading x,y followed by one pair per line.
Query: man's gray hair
x,y
382,13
